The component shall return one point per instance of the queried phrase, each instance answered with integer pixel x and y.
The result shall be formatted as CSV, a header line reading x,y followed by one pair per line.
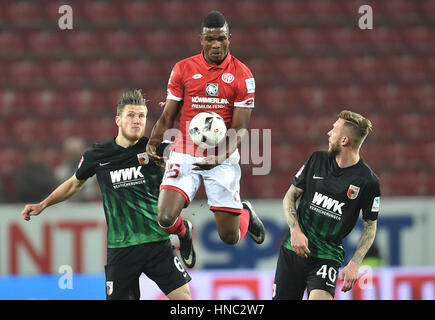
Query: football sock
x,y
177,228
244,223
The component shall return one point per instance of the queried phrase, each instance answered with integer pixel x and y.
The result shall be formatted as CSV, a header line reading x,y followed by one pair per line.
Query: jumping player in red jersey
x,y
211,81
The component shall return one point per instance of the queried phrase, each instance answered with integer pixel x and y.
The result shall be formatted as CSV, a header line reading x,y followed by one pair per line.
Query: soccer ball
x,y
207,129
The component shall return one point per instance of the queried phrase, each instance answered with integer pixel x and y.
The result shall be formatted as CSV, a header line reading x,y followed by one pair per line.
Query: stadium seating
x,y
310,61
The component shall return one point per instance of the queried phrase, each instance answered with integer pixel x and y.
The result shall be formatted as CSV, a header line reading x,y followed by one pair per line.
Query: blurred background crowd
x,y
59,88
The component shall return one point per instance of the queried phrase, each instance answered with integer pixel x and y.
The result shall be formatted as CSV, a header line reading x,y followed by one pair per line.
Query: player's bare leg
x,y
232,228
170,204
318,294
228,226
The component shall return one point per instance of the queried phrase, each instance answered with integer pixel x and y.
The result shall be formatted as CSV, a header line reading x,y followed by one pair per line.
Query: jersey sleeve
x,y
245,89
163,148
300,179
86,168
175,88
371,201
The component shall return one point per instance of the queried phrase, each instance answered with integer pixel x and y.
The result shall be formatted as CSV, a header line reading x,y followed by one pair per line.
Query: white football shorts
x,y
222,183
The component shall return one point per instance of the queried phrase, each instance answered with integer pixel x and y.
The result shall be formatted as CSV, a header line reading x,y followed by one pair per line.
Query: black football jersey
x,y
130,185
332,200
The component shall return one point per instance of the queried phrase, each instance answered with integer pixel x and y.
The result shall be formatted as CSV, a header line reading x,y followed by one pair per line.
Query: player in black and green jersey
x,y
130,184
333,186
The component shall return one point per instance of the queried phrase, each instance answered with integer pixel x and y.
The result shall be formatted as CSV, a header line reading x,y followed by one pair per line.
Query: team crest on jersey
x,y
143,158
109,287
227,77
212,89
352,192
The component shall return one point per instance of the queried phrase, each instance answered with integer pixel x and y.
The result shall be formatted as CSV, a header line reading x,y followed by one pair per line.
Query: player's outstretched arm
x,y
299,241
349,274
61,193
165,122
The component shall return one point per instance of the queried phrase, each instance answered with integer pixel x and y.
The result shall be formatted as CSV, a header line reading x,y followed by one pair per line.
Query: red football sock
x,y
244,223
177,228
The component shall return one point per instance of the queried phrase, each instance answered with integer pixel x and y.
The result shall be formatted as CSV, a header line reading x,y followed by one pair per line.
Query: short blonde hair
x,y
359,126
133,97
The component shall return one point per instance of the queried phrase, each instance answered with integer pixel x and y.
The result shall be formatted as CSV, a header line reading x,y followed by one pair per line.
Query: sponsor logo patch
x,y
376,204
250,85
212,89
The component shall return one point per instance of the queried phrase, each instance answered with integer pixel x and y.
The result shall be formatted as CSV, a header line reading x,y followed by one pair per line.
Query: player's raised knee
x,y
229,237
165,220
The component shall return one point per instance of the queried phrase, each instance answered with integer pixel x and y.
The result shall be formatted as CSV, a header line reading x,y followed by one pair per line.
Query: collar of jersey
x,y
223,65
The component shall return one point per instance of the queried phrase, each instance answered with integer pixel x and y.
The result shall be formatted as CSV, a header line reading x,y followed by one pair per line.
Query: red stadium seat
x,y
26,73
176,13
289,11
346,40
393,98
36,103
271,100
429,182
265,123
25,131
53,156
384,40
66,73
102,72
5,132
7,100
381,156
403,183
10,44
419,155
23,14
407,67
274,41
99,13
292,69
120,43
369,68
10,160
45,44
83,44
330,70
159,42
251,12
82,103
307,39
321,9
424,95
139,13
144,71
61,129
102,129
204,7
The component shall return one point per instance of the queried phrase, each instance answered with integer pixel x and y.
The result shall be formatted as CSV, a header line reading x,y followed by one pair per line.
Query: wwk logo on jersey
x,y
327,206
212,89
127,177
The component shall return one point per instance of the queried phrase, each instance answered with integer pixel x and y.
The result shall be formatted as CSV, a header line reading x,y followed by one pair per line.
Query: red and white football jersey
x,y
207,87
